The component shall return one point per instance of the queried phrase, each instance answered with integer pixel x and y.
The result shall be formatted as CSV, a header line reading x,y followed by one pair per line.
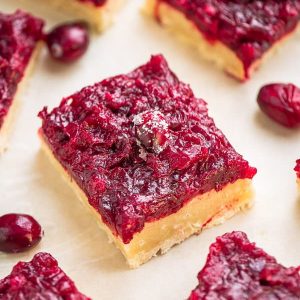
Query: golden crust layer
x,y
175,21
98,17
202,211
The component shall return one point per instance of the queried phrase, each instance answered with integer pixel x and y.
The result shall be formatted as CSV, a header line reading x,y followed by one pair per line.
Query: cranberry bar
x,y
40,278
238,270
142,152
236,35
98,13
19,36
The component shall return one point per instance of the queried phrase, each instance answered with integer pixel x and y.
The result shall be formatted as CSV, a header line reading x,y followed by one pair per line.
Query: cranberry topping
x,y
281,102
297,168
40,278
95,2
237,270
18,232
248,27
19,33
140,146
68,42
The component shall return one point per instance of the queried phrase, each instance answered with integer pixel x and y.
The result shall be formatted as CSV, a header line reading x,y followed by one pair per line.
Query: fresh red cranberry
x,y
18,232
281,102
152,130
68,42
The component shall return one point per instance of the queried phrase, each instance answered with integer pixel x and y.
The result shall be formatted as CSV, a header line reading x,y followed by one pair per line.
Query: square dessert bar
x,y
237,269
236,35
39,279
20,33
98,13
142,152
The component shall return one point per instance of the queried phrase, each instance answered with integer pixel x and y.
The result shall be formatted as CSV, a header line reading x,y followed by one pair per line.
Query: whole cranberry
x,y
18,232
281,102
151,130
68,42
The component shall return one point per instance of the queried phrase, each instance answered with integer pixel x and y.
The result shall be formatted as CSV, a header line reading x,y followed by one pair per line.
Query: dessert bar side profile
x,y
16,67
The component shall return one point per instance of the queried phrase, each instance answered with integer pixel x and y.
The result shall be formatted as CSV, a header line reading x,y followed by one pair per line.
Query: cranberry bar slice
x,y
40,278
236,35
238,270
98,13
142,152
19,36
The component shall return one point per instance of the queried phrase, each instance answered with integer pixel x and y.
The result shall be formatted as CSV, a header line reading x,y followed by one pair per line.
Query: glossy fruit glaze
x,y
18,232
39,279
140,146
281,102
248,27
19,33
237,270
95,2
297,168
67,42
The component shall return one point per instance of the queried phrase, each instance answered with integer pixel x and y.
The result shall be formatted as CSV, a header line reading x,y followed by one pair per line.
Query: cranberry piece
x,y
151,130
18,232
281,102
68,42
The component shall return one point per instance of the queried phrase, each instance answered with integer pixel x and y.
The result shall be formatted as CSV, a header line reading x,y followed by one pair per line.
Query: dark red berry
x,y
68,42
281,102
151,130
18,232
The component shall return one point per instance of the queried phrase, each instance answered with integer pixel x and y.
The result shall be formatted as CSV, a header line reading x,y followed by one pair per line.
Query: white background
x,y
29,184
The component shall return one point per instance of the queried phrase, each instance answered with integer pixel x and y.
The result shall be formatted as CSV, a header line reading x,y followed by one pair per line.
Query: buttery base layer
x,y
201,212
176,22
98,17
7,126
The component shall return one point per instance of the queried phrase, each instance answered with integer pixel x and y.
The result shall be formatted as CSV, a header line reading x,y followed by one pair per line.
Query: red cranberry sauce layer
x,y
297,168
140,146
40,278
19,33
95,2
236,269
248,27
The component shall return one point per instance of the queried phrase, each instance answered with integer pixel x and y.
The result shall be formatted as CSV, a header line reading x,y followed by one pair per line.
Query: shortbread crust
x,y
203,211
216,52
99,17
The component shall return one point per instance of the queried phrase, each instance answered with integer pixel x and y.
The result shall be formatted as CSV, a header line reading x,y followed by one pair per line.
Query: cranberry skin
x,y
151,129
68,42
18,232
281,102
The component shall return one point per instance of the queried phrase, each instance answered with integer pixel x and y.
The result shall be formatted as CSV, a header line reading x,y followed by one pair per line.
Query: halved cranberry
x,y
18,232
281,102
151,130
68,42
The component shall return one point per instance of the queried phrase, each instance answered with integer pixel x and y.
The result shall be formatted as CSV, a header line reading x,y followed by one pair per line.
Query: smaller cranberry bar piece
x,y
98,13
19,36
238,270
40,278
142,152
236,35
